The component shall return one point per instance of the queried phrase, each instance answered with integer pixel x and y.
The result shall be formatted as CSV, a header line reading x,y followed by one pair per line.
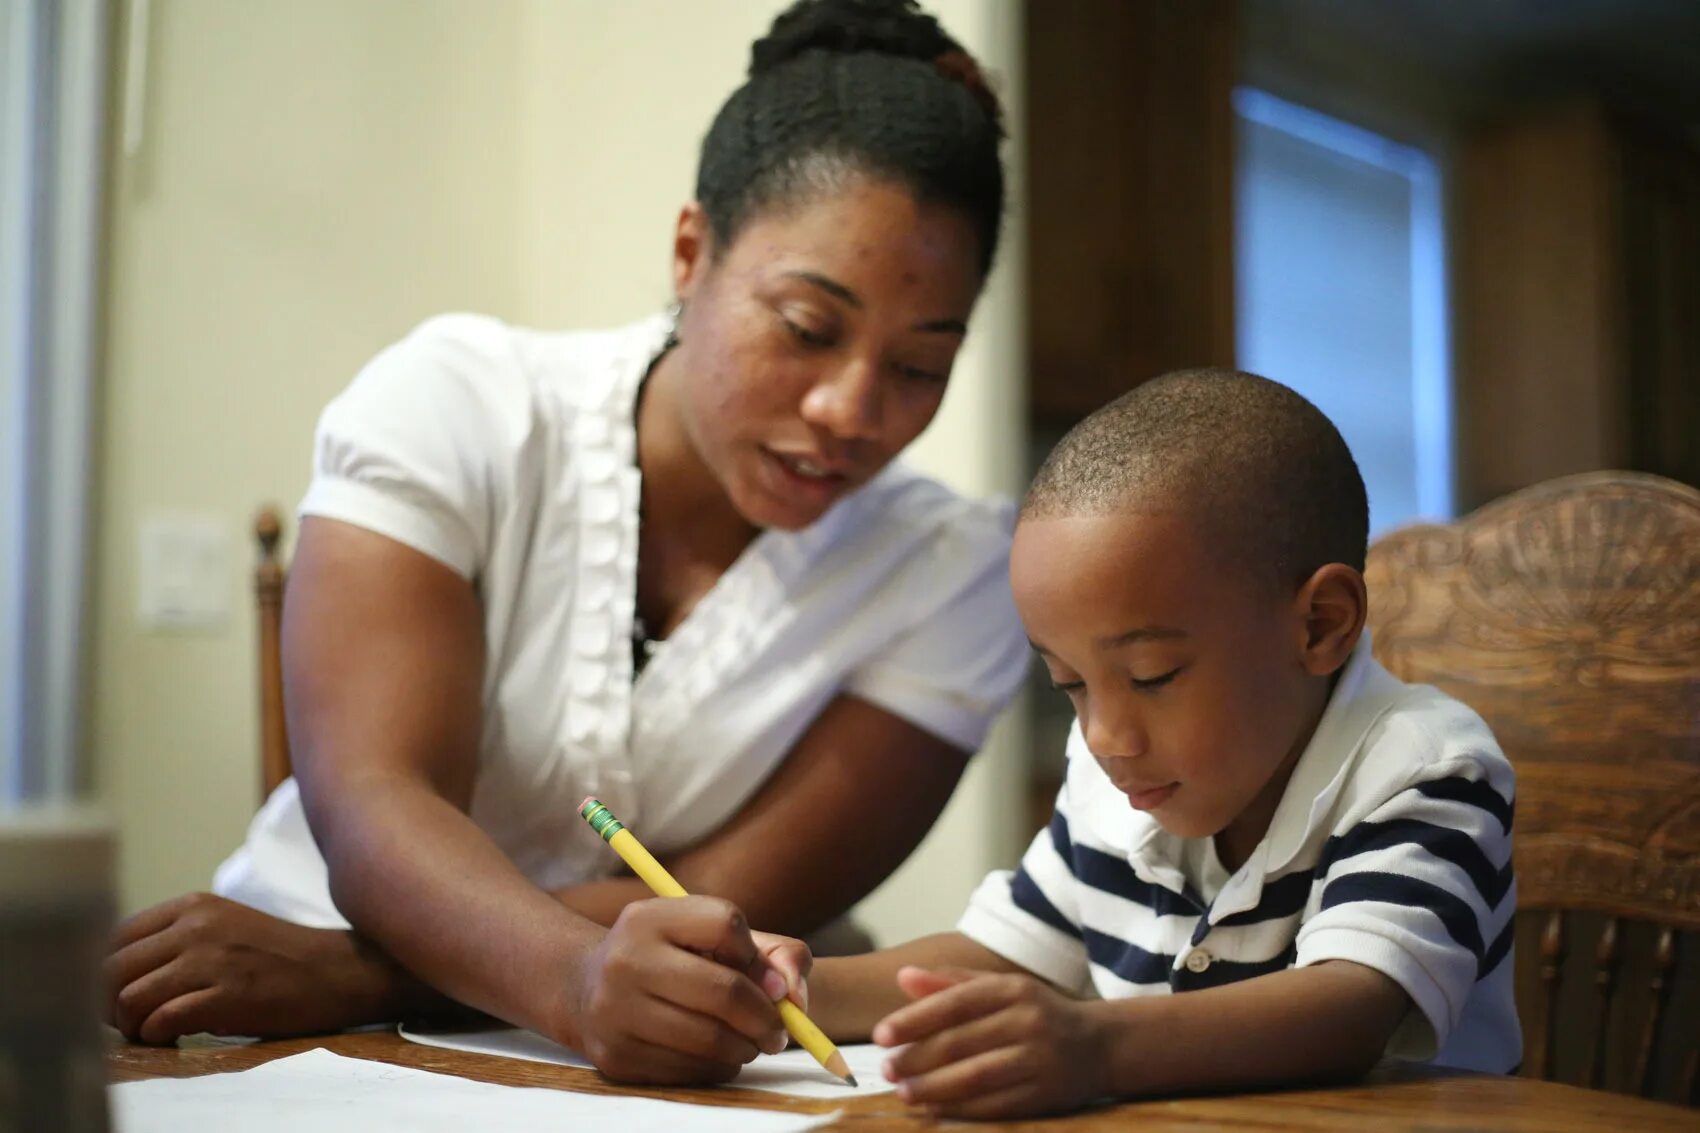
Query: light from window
x,y
1340,271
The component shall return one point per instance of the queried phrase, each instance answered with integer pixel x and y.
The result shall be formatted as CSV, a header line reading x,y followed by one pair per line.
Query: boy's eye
x,y
1069,687
1148,683
917,374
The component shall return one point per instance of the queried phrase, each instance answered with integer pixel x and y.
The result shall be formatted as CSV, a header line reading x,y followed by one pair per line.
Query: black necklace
x,y
644,644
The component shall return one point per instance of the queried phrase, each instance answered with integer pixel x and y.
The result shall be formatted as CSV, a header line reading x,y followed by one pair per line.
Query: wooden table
x,y
1413,1099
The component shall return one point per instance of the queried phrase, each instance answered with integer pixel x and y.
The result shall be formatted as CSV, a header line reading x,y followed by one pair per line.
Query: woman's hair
x,y
840,89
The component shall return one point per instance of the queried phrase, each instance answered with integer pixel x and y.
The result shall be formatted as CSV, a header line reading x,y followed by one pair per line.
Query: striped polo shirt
x,y
1390,848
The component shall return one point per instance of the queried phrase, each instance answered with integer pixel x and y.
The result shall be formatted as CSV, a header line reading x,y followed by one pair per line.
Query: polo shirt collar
x,y
1364,692
1361,697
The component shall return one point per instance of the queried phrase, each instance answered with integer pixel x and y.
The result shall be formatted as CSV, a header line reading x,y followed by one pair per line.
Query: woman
x,y
670,565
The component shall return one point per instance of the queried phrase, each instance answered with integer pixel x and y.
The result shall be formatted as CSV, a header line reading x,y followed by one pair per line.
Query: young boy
x,y
1256,813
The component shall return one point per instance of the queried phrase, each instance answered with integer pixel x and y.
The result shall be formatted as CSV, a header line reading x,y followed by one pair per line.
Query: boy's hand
x,y
991,1046
678,993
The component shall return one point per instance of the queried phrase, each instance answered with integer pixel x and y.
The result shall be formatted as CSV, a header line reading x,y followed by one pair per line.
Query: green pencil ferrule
x,y
601,819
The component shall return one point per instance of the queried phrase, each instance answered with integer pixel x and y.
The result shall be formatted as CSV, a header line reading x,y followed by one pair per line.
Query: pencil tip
x,y
838,1068
851,1078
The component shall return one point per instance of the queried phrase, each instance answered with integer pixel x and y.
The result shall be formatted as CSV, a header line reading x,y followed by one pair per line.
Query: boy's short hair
x,y
1266,474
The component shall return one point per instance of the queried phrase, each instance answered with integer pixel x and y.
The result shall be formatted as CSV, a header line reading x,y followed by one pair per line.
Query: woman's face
x,y
819,343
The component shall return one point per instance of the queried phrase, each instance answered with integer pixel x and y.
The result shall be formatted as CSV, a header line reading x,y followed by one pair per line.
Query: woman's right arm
x,y
383,651
384,670
384,658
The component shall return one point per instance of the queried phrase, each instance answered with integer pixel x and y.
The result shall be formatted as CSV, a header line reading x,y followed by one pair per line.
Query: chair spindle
x,y
1658,989
1552,969
1691,1077
1605,985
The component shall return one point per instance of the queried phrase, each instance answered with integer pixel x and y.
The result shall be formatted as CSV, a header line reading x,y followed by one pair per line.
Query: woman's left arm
x,y
848,804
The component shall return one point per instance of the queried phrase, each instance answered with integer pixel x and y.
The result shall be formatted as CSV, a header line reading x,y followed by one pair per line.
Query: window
x,y
1340,270
52,81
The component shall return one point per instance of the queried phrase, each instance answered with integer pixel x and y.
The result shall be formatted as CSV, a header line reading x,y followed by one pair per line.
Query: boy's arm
x,y
849,994
992,1047
1330,1020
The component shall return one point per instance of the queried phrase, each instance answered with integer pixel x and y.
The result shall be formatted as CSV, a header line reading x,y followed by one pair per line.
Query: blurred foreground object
x,y
56,882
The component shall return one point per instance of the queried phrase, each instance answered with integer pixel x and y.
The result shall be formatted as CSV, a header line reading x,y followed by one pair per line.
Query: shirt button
x,y
1198,960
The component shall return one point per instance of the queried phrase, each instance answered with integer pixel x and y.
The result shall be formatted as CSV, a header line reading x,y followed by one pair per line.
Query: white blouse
x,y
509,456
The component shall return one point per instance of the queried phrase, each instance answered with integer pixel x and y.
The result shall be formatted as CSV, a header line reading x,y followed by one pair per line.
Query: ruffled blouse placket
x,y
598,711
618,722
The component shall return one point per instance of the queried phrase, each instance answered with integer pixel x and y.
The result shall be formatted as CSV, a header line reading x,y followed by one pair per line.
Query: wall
x,y
315,176
614,104
1130,163
319,176
1542,372
1578,346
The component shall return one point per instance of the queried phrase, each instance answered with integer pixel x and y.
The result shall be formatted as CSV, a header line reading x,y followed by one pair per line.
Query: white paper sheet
x,y
327,1093
794,1072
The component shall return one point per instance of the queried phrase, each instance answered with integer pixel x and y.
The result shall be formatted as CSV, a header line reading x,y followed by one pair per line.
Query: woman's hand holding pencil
x,y
763,961
680,993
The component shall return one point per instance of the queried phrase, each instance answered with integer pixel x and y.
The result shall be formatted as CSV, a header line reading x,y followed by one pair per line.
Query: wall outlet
x,y
184,574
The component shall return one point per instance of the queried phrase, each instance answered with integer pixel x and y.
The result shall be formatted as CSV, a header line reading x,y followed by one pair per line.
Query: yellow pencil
x,y
810,1037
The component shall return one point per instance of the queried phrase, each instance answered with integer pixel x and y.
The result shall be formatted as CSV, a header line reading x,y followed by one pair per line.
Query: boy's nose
x,y
1112,735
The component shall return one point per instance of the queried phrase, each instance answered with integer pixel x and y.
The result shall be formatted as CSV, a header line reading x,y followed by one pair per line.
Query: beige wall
x,y
615,102
316,177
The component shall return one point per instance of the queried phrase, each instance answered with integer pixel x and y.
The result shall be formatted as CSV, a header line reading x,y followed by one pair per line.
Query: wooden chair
x,y
1568,615
268,593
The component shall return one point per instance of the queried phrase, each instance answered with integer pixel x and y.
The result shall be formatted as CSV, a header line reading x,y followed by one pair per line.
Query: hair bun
x,y
847,27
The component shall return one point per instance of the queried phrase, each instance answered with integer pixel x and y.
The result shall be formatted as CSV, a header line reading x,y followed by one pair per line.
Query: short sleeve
x,y
423,445
1422,890
962,660
1030,916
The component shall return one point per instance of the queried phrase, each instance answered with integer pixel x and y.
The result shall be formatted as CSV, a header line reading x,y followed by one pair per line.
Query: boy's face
x,y
1195,688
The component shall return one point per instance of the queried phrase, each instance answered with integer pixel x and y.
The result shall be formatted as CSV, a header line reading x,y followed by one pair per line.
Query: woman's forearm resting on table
x,y
206,963
493,940
383,651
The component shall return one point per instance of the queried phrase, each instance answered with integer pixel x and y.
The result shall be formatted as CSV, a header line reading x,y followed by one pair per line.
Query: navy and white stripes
x,y
1391,848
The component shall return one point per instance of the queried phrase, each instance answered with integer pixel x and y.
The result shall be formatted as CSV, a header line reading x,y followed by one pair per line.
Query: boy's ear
x,y
1334,604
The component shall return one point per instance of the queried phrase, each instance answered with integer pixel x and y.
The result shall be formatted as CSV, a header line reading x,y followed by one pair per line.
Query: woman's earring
x,y
674,311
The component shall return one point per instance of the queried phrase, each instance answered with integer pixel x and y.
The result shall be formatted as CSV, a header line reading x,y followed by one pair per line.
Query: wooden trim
x,y
268,592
